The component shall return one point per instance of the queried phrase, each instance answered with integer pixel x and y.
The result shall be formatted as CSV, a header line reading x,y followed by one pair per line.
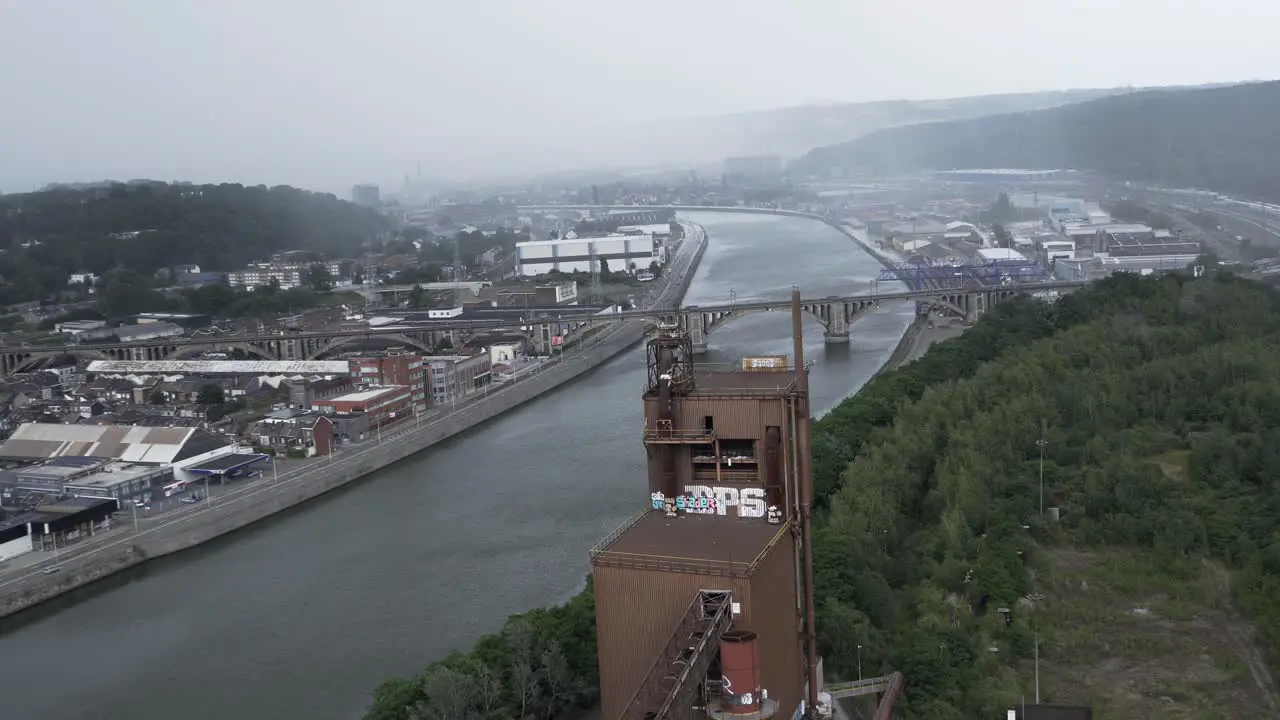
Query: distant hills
x,y
703,143
1221,138
144,226
795,130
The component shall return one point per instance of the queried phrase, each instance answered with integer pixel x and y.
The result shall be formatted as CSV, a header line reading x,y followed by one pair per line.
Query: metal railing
x,y
618,531
652,434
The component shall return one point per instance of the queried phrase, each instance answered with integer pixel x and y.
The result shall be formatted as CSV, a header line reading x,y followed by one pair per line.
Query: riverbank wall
x,y
235,510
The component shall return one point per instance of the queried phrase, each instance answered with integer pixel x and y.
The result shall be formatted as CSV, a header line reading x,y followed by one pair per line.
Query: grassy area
x,y
1136,639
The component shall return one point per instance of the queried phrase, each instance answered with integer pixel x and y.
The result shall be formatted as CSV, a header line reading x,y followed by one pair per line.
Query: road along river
x,y
303,615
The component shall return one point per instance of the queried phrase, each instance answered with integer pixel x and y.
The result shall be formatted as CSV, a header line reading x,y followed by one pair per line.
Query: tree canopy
x,y
1216,138
147,227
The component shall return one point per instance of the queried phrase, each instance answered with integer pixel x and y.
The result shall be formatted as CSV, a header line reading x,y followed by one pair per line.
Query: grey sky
x,y
323,93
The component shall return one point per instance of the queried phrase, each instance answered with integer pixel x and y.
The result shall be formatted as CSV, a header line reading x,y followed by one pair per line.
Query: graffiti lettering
x,y
718,500
706,500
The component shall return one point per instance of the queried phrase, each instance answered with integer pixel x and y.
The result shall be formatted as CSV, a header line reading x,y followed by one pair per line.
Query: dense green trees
x,y
1158,401
1215,138
147,227
541,664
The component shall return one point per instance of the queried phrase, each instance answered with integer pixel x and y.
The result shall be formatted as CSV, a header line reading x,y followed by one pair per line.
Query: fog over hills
x,y
704,142
1220,137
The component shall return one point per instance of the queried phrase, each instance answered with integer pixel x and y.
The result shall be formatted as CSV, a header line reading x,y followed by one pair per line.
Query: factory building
x,y
701,598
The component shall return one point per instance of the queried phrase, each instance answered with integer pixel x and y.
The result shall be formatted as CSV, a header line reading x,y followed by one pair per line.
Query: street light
x,y
1041,443
859,662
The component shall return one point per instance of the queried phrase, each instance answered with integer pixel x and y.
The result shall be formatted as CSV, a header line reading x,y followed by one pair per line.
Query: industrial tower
x,y
704,599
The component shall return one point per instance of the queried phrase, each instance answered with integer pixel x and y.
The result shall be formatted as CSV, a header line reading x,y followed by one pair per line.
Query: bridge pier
x,y
836,338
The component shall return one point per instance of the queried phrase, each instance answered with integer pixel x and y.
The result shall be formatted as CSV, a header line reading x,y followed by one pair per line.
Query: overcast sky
x,y
323,93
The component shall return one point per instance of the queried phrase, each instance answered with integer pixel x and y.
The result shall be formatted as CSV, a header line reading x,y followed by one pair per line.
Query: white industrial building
x,y
1000,254
573,254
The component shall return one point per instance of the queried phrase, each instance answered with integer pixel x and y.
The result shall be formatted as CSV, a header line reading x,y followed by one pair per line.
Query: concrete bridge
x,y
424,337
836,314
685,208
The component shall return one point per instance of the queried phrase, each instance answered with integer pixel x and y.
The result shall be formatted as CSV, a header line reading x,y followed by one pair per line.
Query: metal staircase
x,y
670,689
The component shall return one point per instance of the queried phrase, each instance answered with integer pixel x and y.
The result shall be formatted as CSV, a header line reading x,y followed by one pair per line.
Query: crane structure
x,y
925,274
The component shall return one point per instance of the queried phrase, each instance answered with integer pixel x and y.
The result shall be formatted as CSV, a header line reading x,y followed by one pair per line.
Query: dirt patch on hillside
x,y
1136,642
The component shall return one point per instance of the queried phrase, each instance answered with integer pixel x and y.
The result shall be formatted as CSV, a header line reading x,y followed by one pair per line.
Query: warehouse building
x,y
55,525
221,368
574,254
119,461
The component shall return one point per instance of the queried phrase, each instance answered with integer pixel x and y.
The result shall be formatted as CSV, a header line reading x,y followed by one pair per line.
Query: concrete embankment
x,y
93,561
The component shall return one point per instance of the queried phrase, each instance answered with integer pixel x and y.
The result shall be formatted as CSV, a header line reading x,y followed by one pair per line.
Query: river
x,y
303,615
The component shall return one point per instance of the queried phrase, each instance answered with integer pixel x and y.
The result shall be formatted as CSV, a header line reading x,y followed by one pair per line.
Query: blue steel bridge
x,y
926,274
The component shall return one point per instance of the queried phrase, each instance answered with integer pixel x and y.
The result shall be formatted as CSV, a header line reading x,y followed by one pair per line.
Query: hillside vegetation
x,y
1158,400
1216,138
144,227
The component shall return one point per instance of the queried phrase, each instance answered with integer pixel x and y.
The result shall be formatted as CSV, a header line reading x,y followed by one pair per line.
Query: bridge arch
x,y
946,304
390,338
186,352
26,361
710,322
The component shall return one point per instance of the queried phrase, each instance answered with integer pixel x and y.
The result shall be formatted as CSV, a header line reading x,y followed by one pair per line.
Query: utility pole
x,y
1037,637
805,482
1041,443
595,293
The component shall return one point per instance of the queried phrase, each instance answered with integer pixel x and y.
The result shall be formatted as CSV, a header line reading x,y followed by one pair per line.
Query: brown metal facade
x,y
735,421
775,618
637,609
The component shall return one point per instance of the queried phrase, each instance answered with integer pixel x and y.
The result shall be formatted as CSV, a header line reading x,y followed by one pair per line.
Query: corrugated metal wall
x,y
775,619
637,609
636,612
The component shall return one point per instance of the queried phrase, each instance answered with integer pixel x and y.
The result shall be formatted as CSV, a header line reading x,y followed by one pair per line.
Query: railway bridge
x,y
837,314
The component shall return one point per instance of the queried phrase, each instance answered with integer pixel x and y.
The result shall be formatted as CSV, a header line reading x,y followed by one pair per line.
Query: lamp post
x,y
859,662
1041,443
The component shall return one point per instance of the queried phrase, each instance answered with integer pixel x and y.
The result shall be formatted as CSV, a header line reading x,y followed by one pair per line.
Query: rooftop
x,y
225,463
112,475
120,442
716,544
223,367
366,395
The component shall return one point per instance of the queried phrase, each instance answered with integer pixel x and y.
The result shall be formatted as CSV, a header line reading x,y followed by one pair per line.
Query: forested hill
x,y
144,227
1216,138
1159,406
